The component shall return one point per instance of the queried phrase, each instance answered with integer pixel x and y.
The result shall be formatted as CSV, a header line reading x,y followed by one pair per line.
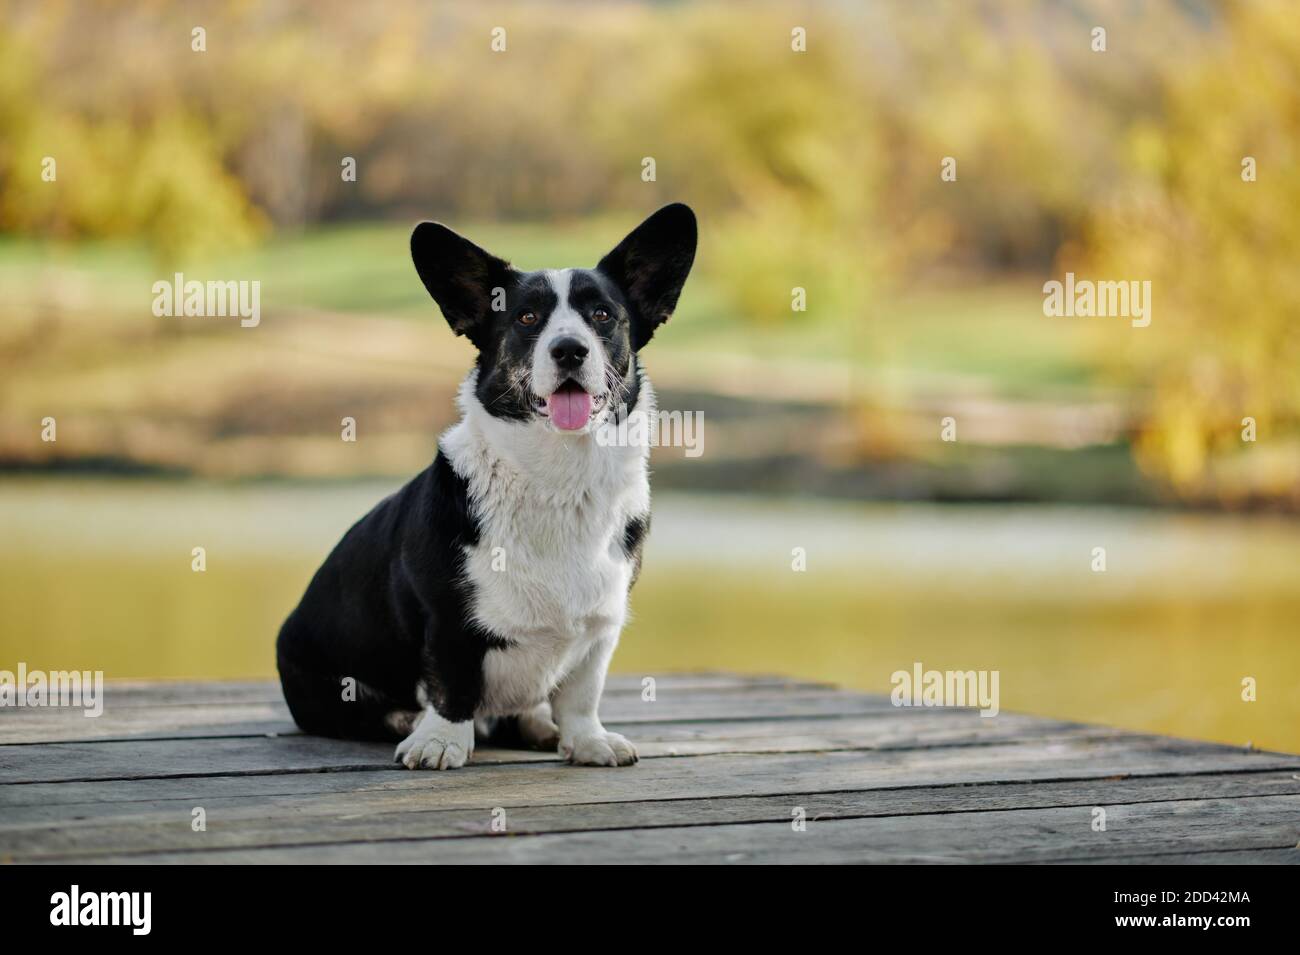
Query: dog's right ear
x,y
461,277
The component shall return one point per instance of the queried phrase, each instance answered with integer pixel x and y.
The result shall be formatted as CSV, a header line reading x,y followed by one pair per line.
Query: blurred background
x,y
818,170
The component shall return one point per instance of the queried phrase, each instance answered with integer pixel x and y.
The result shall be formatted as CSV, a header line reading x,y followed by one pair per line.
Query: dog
x,y
489,592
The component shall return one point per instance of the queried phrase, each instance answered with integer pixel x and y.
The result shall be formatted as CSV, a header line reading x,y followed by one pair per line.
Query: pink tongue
x,y
569,409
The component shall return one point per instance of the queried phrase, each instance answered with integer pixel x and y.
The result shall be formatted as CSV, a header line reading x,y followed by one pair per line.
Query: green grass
x,y
348,324
992,334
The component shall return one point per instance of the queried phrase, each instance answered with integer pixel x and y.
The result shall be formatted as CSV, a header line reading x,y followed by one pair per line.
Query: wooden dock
x,y
730,766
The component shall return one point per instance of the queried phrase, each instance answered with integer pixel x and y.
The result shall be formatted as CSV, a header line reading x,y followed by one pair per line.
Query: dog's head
x,y
558,347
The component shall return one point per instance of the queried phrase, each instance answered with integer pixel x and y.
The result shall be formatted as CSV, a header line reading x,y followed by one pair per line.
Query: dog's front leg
x,y
449,691
436,742
583,740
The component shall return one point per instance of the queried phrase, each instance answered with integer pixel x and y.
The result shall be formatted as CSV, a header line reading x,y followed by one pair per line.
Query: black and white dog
x,y
491,589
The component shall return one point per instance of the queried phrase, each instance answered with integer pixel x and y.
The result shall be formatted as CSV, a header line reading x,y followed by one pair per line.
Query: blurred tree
x,y
1221,255
816,169
154,173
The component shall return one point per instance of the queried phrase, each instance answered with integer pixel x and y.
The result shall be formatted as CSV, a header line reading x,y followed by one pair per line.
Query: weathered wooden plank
x,y
262,719
154,692
877,784
702,776
1019,835
164,721
191,720
157,758
393,815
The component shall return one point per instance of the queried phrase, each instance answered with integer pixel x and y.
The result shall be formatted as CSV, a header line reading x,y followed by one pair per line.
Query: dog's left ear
x,y
651,266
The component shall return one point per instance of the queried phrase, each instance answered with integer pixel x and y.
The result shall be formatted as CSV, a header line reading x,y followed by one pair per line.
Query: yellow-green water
x,y
96,574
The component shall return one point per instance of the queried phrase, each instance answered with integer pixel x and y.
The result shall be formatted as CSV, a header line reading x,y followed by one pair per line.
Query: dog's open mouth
x,y
570,407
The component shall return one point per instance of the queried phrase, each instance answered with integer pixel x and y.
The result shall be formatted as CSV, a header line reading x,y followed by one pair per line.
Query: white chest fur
x,y
549,571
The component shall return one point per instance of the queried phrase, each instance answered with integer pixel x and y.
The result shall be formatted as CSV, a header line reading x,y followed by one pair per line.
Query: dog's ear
x,y
651,266
461,277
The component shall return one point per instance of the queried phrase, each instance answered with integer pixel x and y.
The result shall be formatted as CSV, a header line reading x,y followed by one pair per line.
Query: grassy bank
x,y
845,401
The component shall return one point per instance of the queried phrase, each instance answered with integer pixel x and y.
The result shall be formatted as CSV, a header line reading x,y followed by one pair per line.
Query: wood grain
x,y
728,763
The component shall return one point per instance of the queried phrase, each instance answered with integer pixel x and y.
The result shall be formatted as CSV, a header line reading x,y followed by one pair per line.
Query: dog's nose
x,y
568,352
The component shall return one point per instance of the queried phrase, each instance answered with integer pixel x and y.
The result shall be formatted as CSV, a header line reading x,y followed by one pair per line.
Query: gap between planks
x,y
1016,835
246,827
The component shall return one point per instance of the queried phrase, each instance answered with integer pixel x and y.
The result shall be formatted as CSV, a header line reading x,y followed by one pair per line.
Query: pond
x,y
96,574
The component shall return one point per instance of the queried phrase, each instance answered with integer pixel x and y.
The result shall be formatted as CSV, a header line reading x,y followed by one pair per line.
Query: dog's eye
x,y
600,315
527,318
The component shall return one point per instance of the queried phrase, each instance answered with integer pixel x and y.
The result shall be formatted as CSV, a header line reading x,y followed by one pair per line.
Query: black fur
x,y
633,541
389,608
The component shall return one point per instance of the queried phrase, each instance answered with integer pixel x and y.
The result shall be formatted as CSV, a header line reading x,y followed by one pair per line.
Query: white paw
x,y
537,728
436,744
598,749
